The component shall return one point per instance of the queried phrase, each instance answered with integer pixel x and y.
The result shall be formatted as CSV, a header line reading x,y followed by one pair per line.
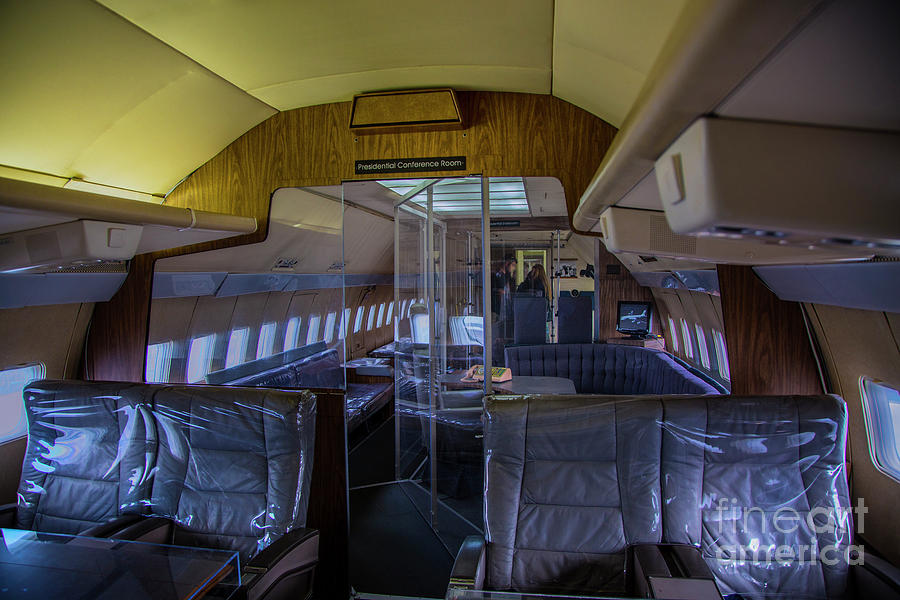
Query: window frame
x,y
687,339
345,320
312,329
207,359
673,333
20,430
265,343
702,347
876,430
237,354
721,355
170,345
292,333
358,321
330,320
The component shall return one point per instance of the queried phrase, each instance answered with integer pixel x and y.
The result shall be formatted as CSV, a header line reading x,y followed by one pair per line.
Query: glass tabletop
x,y
47,565
461,594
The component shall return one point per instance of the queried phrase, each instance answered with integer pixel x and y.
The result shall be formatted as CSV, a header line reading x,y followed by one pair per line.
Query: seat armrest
x,y
8,515
285,567
468,568
282,547
874,577
155,530
111,527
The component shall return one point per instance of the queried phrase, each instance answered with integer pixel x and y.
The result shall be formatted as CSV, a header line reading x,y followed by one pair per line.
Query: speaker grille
x,y
662,239
106,266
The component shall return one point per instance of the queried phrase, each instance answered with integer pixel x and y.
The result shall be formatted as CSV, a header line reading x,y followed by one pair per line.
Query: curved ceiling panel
x,y
603,50
87,94
136,94
293,54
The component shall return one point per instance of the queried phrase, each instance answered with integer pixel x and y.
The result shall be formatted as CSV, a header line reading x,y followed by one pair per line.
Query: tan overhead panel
x,y
87,94
603,50
291,54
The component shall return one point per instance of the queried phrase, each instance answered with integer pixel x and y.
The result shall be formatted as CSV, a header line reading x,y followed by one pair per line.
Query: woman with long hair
x,y
539,281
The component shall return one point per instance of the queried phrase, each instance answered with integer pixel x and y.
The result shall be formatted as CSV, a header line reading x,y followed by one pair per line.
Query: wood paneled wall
x,y
614,288
328,498
507,134
768,346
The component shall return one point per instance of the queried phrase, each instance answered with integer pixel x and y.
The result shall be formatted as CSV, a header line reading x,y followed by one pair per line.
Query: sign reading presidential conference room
x,y
411,165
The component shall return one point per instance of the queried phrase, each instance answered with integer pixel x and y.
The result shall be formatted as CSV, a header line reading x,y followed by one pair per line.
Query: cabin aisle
x,y
393,550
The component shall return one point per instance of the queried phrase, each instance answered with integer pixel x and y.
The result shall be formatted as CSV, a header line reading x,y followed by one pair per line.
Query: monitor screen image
x,y
634,318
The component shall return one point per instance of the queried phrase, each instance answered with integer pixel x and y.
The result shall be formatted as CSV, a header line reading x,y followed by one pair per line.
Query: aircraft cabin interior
x,y
481,300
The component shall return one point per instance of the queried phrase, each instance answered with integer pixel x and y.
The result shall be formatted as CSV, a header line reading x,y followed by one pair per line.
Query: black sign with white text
x,y
411,165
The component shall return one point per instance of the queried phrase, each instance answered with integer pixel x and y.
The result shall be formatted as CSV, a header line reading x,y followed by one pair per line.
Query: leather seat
x,y
89,456
756,484
607,369
233,472
730,465
570,484
212,467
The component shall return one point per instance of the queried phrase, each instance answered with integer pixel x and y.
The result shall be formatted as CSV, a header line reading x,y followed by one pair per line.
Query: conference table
x,y
519,384
48,565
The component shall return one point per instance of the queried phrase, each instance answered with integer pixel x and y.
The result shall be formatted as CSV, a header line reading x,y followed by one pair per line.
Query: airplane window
x,y
159,362
390,313
266,343
200,357
345,318
686,338
403,309
292,333
329,326
704,349
13,421
673,333
359,318
881,407
237,347
722,355
371,320
312,334
380,315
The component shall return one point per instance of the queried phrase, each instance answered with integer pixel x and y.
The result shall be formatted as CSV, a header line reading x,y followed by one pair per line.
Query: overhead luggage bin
x,y
646,232
797,185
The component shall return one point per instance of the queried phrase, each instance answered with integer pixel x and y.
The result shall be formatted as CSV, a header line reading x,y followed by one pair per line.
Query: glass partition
x,y
432,444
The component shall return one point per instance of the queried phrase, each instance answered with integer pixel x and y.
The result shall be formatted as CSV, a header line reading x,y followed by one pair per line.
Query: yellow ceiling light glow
x,y
106,190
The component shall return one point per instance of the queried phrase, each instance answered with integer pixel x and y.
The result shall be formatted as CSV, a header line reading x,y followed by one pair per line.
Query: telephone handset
x,y
498,374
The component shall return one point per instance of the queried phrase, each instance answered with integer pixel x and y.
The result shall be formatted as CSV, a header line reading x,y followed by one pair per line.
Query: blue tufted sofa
x,y
608,369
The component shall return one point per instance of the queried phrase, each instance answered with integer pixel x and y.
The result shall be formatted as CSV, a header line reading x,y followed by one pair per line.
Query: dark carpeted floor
x,y
393,548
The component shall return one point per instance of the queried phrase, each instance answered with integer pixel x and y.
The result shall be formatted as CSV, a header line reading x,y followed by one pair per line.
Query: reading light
x,y
108,190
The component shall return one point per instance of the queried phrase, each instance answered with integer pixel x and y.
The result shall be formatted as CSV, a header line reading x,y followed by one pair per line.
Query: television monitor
x,y
634,318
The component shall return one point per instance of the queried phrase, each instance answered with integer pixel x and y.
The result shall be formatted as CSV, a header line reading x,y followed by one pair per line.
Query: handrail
x,y
28,196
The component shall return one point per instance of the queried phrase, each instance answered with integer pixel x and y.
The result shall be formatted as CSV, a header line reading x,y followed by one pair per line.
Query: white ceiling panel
x,y
603,50
87,94
293,54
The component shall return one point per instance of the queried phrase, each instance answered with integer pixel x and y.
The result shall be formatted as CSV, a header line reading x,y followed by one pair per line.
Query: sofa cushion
x,y
607,368
89,455
364,399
